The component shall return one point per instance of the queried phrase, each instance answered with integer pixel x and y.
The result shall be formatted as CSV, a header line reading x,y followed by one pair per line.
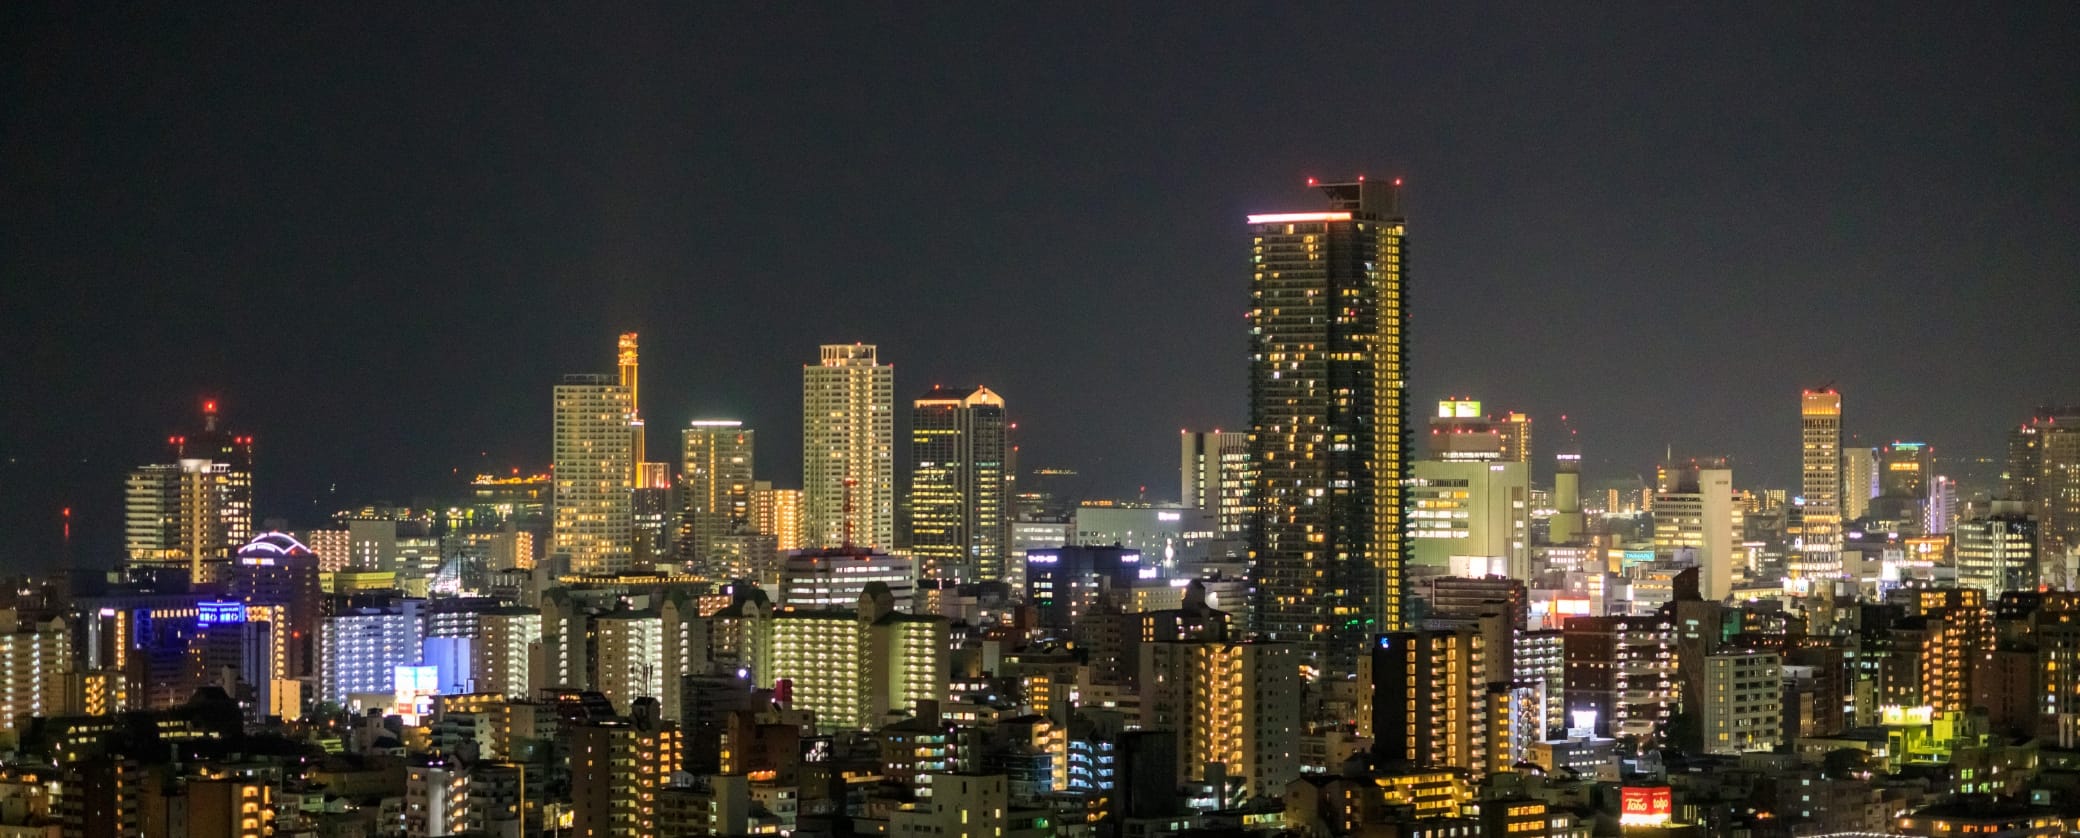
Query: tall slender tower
x,y
958,494
1328,422
716,458
848,449
1820,553
1568,525
594,480
631,378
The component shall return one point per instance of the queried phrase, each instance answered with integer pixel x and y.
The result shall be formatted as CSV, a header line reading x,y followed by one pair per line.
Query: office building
x,y
1478,510
594,474
715,463
959,498
848,449
277,570
1820,546
1859,481
1063,583
1697,522
1997,553
1214,474
1459,432
1163,532
1904,469
1328,438
1567,525
1232,705
835,578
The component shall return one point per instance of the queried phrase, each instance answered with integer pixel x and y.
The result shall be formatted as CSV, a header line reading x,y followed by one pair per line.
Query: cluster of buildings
x,y
1354,619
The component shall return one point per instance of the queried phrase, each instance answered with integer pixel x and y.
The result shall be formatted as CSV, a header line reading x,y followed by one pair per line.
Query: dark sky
x,y
379,236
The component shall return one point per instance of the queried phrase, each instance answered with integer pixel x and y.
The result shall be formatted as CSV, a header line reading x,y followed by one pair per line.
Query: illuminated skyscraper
x,y
2044,469
1859,481
715,462
848,449
1820,554
1327,422
594,474
958,496
631,378
1214,475
190,513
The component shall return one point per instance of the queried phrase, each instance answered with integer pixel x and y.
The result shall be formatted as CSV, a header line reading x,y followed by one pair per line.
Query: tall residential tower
x,y
1328,422
594,478
848,449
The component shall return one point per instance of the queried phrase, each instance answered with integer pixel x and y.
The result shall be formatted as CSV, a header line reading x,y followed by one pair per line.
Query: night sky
x,y
379,236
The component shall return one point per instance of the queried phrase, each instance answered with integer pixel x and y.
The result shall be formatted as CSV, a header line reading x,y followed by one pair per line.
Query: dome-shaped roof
x,y
273,544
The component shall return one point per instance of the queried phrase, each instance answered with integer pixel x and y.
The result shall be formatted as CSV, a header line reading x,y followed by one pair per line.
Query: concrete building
x,y
854,668
630,657
1328,421
715,457
1820,545
1428,699
1743,707
1695,516
848,449
960,485
618,767
1235,706
1471,509
1997,553
593,517
1214,474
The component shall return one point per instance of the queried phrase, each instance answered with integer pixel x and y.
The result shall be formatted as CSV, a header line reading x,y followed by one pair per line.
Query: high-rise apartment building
x,y
618,766
630,653
1515,430
2044,469
1235,705
1743,707
853,667
190,513
1429,699
1214,475
594,518
1328,438
715,463
848,449
959,526
1820,549
36,664
778,513
361,648
1622,671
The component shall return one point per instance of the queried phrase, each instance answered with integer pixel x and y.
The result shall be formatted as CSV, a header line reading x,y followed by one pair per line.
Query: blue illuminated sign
x,y
214,613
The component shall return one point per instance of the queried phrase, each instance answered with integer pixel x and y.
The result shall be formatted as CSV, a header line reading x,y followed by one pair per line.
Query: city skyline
x,y
1583,241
